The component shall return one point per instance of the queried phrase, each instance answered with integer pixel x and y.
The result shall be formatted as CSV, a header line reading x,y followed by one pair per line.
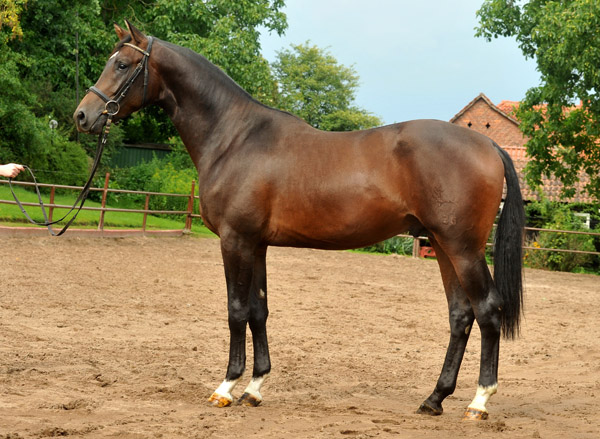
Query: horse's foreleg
x,y
258,325
238,259
461,321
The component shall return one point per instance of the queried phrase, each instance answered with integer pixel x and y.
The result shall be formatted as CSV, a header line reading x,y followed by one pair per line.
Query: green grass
x,y
11,215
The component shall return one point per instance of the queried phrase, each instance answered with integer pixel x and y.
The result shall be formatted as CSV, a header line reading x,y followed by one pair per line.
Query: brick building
x,y
497,122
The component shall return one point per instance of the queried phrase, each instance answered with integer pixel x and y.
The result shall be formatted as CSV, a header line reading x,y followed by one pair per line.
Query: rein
x,y
111,108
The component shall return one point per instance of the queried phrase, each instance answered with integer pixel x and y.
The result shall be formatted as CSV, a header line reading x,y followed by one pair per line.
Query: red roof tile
x,y
498,123
552,187
508,107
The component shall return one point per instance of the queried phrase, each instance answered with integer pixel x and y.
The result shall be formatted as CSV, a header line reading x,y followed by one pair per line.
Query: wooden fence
x,y
423,251
418,249
189,212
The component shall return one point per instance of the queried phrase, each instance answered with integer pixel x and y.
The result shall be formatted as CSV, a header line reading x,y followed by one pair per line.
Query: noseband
x,y
113,105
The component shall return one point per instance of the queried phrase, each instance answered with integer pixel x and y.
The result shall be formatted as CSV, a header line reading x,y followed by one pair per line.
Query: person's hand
x,y
11,170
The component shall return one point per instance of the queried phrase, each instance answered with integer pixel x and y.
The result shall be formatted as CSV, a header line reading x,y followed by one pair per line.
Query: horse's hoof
x,y
475,415
426,409
249,400
220,400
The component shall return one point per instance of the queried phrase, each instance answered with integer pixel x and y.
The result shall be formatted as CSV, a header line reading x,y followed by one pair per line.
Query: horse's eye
x,y
122,66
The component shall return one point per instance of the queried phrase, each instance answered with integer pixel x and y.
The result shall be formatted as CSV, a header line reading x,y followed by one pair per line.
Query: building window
x,y
487,125
469,124
585,219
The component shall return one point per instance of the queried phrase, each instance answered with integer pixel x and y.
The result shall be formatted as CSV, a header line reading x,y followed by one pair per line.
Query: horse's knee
x,y
238,314
259,313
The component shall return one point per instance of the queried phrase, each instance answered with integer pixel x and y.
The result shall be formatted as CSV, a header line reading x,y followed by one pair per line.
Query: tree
x,y
10,10
224,31
25,135
561,116
313,86
40,40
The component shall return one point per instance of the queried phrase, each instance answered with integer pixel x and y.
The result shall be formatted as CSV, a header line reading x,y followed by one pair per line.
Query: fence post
x,y
146,205
104,192
51,209
416,247
190,209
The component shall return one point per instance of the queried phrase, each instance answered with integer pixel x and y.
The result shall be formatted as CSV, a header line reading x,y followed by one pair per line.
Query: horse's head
x,y
124,85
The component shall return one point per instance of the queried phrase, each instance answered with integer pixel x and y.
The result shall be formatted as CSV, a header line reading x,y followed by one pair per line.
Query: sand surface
x,y
127,338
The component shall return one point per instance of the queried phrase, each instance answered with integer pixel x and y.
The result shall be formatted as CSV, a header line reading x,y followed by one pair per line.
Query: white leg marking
x,y
253,388
226,388
482,397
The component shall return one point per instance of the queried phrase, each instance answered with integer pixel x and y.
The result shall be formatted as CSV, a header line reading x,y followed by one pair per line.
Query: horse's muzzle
x,y
87,124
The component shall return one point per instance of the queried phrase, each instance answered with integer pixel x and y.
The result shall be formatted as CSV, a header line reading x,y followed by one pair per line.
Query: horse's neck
x,y
200,100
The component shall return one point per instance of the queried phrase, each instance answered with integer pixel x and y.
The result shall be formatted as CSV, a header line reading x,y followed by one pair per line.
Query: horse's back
x,y
342,190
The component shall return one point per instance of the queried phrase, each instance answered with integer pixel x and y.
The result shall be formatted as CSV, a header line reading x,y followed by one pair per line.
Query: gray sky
x,y
416,59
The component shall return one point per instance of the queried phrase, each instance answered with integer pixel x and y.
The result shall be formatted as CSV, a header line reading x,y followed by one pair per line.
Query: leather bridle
x,y
111,108
113,105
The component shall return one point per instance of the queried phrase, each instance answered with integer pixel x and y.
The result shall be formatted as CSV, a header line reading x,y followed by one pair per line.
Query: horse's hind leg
x,y
477,282
258,325
461,321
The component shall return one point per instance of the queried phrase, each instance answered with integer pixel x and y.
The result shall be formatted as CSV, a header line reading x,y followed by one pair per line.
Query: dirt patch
x,y
127,338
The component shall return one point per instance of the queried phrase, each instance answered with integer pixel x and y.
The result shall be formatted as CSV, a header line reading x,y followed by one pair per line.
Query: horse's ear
x,y
121,33
136,34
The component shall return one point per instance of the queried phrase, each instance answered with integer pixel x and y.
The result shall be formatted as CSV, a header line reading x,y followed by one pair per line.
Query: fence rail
x,y
189,212
417,241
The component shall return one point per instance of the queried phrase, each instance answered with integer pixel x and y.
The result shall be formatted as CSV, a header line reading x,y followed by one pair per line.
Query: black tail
x,y
508,250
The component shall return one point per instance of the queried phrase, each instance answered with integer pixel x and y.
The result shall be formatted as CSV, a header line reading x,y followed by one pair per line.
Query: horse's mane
x,y
215,72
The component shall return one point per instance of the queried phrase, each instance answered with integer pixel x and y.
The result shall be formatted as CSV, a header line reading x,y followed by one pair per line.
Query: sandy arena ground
x,y
127,338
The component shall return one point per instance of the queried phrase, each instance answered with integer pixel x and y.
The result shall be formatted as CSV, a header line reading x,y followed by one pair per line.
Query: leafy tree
x,y
561,116
25,135
224,31
315,87
40,39
10,10
349,119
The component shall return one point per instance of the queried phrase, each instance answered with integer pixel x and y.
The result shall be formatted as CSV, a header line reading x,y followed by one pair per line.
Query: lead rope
x,y
102,138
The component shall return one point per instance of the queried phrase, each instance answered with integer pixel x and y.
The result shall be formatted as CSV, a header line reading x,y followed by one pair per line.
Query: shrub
x,y
398,245
171,174
562,218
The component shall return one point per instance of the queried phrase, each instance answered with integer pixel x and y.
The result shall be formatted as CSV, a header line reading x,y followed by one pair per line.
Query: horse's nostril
x,y
81,115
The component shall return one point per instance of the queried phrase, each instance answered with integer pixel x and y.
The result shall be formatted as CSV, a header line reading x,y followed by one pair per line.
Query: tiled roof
x,y
508,107
551,186
483,97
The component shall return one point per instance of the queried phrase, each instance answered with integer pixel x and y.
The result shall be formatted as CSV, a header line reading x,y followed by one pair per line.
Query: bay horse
x,y
267,178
